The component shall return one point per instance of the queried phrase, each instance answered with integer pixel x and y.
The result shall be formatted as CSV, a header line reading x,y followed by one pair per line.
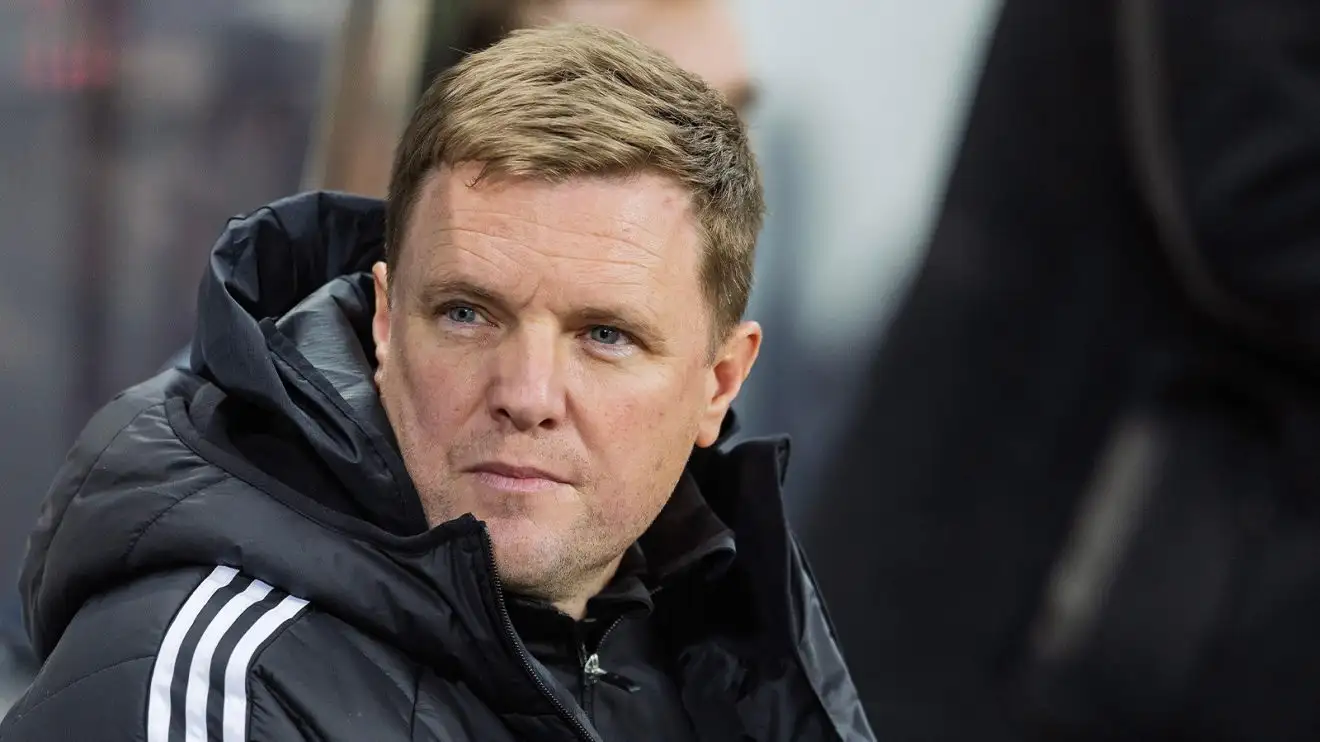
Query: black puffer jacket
x,y
236,551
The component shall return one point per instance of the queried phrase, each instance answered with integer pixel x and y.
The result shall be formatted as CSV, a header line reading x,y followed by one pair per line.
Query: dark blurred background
x,y
1039,282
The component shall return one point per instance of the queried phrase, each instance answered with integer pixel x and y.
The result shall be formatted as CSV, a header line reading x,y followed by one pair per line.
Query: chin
x,y
523,550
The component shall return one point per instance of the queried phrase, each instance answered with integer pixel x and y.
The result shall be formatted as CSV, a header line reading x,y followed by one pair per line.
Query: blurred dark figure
x,y
1082,498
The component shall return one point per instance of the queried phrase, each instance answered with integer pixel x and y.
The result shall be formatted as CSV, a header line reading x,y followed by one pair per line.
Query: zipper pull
x,y
591,668
593,672
620,682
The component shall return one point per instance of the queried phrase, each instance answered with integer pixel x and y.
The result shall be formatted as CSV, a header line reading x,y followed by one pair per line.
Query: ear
x,y
380,321
732,365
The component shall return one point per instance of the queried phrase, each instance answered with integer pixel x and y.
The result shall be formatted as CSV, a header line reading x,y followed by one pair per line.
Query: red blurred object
x,y
70,46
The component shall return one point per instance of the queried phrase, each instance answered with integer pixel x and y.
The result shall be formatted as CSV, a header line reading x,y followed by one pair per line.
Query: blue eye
x,y
606,335
462,315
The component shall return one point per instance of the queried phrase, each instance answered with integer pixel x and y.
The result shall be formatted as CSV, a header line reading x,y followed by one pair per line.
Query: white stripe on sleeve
x,y
162,675
236,699
199,674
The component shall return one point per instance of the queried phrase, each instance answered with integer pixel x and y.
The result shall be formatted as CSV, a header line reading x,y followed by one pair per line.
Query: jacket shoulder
x,y
324,673
148,659
130,447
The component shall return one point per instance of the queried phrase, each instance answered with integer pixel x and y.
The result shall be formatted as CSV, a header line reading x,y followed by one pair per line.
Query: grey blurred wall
x,y
864,102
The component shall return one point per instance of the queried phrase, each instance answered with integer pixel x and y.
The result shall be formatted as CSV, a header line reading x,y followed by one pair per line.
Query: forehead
x,y
584,233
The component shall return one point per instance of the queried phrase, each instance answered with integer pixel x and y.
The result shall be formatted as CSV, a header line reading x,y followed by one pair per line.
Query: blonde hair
x,y
574,100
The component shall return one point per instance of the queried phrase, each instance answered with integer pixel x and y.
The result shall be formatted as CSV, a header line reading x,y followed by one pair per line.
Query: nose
x,y
526,390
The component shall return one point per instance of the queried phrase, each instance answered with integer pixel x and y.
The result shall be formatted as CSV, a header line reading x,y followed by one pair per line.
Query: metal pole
x,y
93,183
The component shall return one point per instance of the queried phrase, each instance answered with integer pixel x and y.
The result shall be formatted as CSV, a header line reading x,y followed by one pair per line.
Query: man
x,y
526,527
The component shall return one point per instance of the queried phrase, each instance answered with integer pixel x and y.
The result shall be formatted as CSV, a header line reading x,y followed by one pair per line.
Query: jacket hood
x,y
284,329
306,261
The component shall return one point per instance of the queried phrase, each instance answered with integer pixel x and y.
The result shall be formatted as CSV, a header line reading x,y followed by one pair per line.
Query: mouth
x,y
515,478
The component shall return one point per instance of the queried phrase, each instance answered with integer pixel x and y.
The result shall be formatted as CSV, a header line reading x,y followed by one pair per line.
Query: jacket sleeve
x,y
147,660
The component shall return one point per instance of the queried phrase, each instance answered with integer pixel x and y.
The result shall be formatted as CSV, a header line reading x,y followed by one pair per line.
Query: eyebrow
x,y
437,292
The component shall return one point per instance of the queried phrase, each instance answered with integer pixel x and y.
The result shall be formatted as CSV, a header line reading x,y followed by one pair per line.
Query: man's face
x,y
545,362
700,35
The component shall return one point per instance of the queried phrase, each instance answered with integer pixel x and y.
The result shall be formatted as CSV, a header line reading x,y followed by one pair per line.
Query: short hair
x,y
571,100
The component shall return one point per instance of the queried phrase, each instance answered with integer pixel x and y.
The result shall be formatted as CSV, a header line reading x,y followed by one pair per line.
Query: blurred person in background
x,y
541,328
1081,499
700,35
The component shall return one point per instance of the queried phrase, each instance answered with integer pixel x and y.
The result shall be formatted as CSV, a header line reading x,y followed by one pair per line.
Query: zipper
x,y
592,672
512,635
608,630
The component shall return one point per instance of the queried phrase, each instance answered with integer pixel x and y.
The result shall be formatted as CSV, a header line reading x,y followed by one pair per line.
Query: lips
x,y
514,471
518,478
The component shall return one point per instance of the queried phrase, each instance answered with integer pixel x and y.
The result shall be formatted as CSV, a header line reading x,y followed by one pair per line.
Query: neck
x,y
574,605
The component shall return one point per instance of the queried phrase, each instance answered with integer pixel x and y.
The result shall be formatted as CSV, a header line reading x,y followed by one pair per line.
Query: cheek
x,y
436,388
642,428
641,460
